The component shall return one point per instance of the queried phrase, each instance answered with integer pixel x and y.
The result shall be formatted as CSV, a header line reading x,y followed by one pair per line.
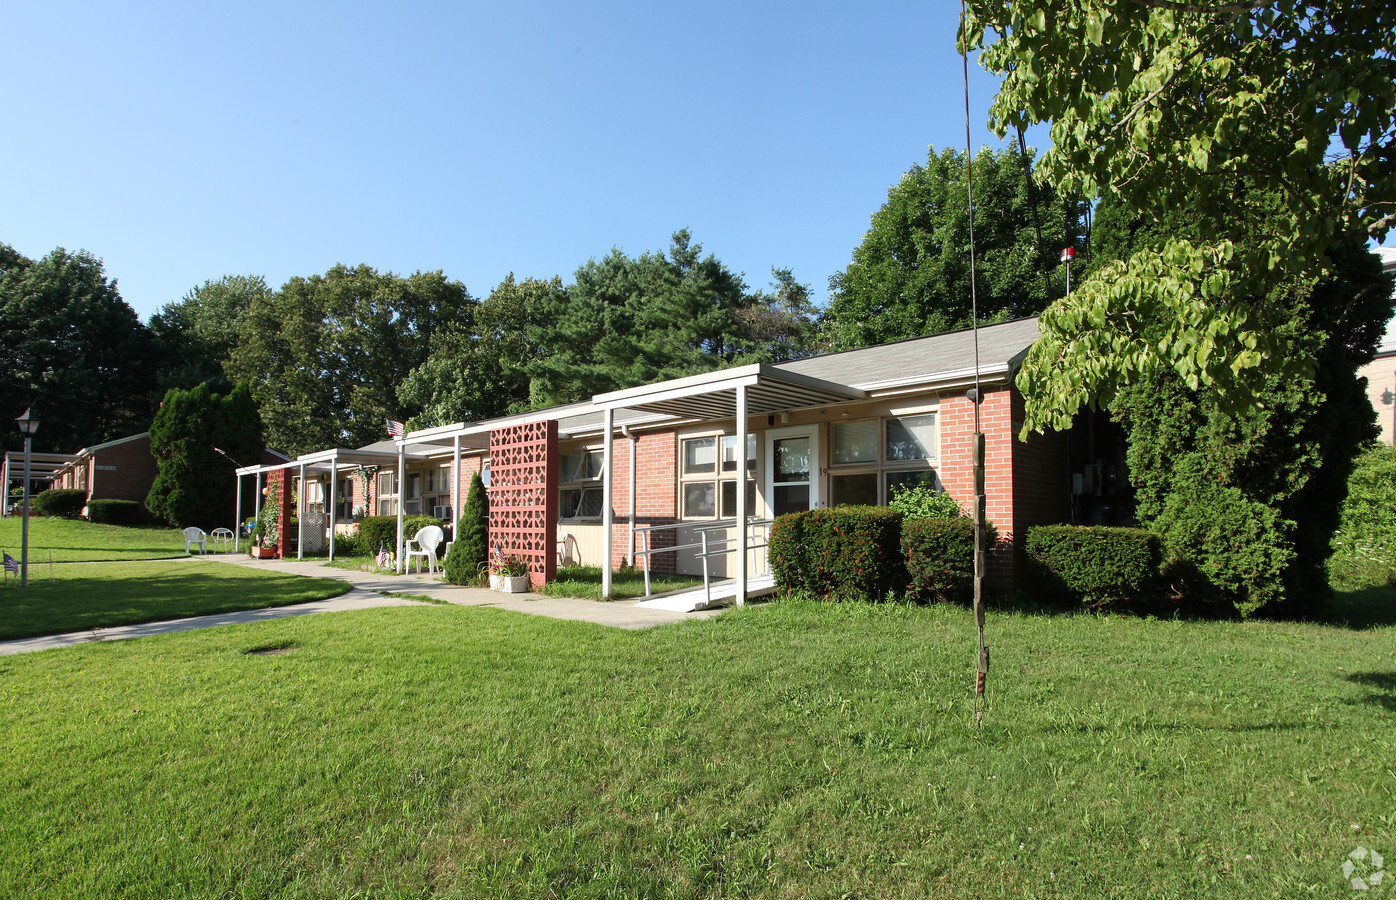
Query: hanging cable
x,y
976,397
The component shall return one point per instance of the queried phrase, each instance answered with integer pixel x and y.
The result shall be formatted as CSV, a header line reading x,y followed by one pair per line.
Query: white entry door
x,y
792,470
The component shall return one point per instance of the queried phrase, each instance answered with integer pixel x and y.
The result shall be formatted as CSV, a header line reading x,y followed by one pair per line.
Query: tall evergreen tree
x,y
634,321
910,275
195,484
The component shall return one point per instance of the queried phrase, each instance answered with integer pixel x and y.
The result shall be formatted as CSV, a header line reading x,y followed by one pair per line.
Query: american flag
x,y
395,428
11,565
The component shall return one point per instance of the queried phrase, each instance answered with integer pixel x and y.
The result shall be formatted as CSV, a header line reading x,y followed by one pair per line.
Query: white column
x,y
237,516
741,494
5,487
334,497
300,515
401,493
630,539
607,515
455,490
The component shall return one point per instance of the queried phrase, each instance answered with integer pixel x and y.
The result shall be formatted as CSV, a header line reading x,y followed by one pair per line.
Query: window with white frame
x,y
871,459
579,484
387,493
436,492
708,477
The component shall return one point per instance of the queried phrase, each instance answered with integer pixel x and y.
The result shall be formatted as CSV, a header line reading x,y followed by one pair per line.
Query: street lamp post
x,y
27,426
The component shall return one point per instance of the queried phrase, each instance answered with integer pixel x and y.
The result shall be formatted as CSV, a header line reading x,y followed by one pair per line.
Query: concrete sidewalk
x,y
369,590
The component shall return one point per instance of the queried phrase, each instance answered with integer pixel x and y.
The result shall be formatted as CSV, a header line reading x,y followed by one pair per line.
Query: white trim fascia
x,y
994,372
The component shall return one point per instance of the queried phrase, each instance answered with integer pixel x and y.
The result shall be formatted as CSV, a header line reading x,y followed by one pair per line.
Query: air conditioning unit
x,y
441,512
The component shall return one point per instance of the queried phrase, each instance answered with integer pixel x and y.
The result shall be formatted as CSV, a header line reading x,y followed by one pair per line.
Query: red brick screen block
x,y
524,469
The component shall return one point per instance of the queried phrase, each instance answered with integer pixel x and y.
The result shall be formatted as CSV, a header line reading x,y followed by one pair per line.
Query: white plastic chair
x,y
426,541
222,538
195,537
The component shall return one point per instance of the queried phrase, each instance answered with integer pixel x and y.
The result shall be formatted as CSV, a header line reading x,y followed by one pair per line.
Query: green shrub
x,y
1097,565
940,557
924,502
350,544
117,512
471,547
65,503
848,552
381,531
1364,547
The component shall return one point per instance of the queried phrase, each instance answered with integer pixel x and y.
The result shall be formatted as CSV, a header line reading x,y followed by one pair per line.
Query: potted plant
x,y
508,573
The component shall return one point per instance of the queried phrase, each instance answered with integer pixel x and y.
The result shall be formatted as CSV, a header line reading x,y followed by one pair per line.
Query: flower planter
x,y
265,552
509,584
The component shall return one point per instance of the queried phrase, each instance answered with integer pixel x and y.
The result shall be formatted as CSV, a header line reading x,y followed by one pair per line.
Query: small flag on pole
x,y
395,429
11,565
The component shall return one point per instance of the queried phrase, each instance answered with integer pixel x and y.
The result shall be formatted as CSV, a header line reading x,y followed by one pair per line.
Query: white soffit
x,y
712,395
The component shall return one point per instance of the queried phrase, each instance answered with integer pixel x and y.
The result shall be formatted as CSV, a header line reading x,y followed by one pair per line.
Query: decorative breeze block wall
x,y
524,468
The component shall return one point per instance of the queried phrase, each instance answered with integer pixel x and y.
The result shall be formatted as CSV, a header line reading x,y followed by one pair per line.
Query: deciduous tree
x,y
1162,104
326,354
71,349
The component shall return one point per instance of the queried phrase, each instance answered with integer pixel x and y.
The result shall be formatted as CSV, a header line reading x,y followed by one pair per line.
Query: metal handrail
x,y
706,552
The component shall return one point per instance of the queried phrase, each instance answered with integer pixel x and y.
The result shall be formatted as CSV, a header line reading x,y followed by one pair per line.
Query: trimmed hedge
x,y
381,531
117,512
65,503
844,553
940,557
1098,565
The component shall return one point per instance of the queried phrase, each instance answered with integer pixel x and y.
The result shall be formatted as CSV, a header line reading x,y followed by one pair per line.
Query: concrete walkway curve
x,y
369,590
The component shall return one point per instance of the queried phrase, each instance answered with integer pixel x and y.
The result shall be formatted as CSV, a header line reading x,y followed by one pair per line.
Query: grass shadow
x,y
1383,685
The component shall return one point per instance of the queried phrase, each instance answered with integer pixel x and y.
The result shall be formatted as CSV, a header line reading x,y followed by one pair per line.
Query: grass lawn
x,y
784,750
74,540
103,594
585,582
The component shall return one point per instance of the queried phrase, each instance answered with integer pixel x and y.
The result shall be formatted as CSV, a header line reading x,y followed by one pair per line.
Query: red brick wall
x,y
1025,482
656,489
957,467
132,476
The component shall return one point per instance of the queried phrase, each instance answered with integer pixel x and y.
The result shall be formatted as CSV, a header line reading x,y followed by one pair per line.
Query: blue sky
x,y
184,142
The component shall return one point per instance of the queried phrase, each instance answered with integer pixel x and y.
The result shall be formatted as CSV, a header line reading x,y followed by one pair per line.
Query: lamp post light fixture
x,y
27,426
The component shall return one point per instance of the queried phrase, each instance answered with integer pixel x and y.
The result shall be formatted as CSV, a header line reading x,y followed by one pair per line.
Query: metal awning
x,y
573,420
41,465
712,395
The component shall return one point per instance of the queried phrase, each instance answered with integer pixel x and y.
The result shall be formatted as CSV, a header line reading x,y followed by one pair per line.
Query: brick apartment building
x,y
684,465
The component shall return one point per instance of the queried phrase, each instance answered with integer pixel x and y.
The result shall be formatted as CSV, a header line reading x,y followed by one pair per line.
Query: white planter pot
x,y
509,584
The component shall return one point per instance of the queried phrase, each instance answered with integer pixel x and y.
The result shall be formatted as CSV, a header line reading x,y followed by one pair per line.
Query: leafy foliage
x,y
72,350
327,353
910,275
65,503
476,365
843,553
380,532
625,322
1250,496
1365,544
199,333
939,553
1098,566
194,484
1154,104
921,501
471,546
